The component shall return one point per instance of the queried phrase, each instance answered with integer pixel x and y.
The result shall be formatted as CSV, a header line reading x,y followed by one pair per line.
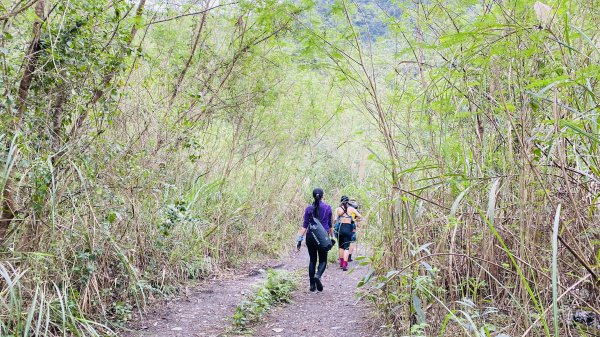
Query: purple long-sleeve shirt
x,y
324,215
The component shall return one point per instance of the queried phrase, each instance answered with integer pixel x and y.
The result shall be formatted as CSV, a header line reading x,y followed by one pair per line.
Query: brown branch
x,y
557,300
30,63
8,212
191,14
8,205
192,53
16,12
57,113
421,198
229,70
99,92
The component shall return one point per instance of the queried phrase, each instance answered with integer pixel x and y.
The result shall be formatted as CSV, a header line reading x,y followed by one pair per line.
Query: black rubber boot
x,y
313,285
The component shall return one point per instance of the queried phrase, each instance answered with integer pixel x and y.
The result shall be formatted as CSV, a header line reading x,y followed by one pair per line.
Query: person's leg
x,y
322,263
346,237
342,239
340,250
321,269
352,242
345,261
352,247
312,263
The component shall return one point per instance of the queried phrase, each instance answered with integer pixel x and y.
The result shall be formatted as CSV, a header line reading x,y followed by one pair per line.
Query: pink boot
x,y
345,265
341,262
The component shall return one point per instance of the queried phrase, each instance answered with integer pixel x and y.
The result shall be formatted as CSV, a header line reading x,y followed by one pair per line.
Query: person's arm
x,y
330,220
330,217
358,215
301,233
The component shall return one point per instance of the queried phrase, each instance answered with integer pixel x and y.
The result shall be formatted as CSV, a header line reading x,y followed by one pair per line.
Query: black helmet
x,y
344,199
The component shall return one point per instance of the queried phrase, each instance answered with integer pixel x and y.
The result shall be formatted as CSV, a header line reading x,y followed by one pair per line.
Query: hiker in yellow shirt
x,y
353,203
346,229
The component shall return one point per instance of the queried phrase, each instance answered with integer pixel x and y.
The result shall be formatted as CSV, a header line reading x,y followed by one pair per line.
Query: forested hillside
x,y
150,145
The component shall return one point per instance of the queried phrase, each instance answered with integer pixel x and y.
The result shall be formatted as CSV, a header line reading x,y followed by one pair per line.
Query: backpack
x,y
320,235
354,204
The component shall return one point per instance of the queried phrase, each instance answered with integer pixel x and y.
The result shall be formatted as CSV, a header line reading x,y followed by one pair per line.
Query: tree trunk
x,y
8,210
30,63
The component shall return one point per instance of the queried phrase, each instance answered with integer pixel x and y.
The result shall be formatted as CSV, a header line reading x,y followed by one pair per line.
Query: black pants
x,y
345,236
313,252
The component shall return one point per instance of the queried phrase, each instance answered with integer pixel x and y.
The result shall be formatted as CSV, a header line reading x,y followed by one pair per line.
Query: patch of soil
x,y
205,311
335,312
208,309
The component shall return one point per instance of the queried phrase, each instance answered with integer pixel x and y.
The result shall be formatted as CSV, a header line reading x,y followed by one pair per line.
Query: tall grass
x,y
487,118
150,149
48,309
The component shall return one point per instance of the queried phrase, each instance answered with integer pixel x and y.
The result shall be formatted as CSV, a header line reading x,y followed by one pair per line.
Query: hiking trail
x,y
208,309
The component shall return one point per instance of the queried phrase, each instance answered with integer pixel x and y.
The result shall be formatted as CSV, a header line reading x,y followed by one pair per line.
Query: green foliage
x,y
152,147
277,290
137,162
487,122
50,310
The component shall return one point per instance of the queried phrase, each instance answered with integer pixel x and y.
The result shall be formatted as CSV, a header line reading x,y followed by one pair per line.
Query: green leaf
x,y
586,38
571,125
111,217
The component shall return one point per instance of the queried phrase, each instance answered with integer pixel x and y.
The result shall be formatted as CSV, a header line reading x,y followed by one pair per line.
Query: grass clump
x,y
277,290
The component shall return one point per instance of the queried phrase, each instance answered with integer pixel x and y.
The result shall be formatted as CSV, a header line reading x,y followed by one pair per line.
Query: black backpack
x,y
320,235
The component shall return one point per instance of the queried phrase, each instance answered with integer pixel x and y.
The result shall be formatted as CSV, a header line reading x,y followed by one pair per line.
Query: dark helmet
x,y
344,199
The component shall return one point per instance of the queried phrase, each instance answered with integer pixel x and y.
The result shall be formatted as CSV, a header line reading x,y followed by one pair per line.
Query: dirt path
x,y
207,311
331,313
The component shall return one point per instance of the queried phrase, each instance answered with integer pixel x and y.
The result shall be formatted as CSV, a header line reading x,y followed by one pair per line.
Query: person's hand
x,y
299,242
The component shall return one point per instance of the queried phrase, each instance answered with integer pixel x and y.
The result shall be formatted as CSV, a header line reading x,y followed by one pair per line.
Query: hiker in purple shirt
x,y
317,212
